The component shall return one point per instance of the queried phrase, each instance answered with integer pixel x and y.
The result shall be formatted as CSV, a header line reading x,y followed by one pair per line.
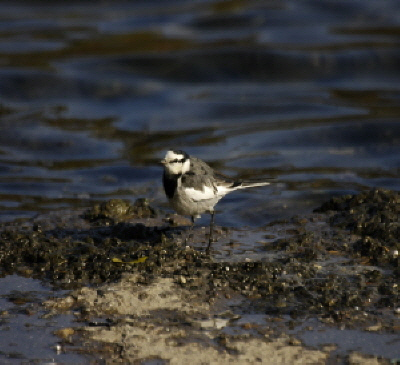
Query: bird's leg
x,y
210,240
190,229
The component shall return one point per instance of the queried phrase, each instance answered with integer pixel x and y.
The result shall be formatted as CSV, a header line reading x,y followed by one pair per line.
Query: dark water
x,y
93,93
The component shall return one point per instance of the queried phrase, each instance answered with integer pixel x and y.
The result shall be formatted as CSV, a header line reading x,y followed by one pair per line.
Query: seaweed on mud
x,y
70,258
295,283
374,216
118,209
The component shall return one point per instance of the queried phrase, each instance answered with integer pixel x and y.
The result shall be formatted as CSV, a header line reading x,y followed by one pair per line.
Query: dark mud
x,y
373,215
135,278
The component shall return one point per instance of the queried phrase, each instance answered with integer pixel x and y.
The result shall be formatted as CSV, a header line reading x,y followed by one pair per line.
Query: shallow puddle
x,y
386,345
26,334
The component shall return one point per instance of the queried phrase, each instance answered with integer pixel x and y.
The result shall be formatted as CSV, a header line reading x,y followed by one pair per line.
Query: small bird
x,y
194,188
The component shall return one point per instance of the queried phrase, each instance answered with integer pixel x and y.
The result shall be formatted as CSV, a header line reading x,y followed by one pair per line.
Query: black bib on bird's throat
x,y
170,183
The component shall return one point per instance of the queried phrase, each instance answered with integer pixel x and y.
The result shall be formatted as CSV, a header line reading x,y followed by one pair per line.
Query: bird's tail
x,y
244,184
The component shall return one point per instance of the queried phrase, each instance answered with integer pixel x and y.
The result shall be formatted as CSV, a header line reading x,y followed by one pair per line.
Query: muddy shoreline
x,y
140,295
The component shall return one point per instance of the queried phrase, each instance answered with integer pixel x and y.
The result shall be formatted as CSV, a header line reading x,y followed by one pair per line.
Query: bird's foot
x,y
210,242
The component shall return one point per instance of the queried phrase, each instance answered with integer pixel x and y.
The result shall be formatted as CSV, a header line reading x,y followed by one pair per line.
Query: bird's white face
x,y
176,162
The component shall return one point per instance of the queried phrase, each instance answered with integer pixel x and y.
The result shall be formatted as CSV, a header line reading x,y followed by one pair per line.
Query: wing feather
x,y
196,195
203,183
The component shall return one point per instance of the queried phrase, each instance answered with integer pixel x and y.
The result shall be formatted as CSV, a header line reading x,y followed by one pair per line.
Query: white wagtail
x,y
194,188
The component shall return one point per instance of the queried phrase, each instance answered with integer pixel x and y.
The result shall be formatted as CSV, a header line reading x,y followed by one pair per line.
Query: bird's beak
x,y
163,162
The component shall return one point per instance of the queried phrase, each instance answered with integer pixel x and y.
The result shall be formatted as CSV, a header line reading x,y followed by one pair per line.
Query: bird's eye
x,y
176,160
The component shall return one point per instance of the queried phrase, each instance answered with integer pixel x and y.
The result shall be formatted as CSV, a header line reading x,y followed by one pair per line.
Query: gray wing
x,y
201,174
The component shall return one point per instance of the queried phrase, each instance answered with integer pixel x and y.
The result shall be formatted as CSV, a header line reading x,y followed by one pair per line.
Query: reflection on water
x,y
92,94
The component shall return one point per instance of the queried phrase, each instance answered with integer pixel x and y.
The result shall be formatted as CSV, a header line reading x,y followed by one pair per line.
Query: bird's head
x,y
176,162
